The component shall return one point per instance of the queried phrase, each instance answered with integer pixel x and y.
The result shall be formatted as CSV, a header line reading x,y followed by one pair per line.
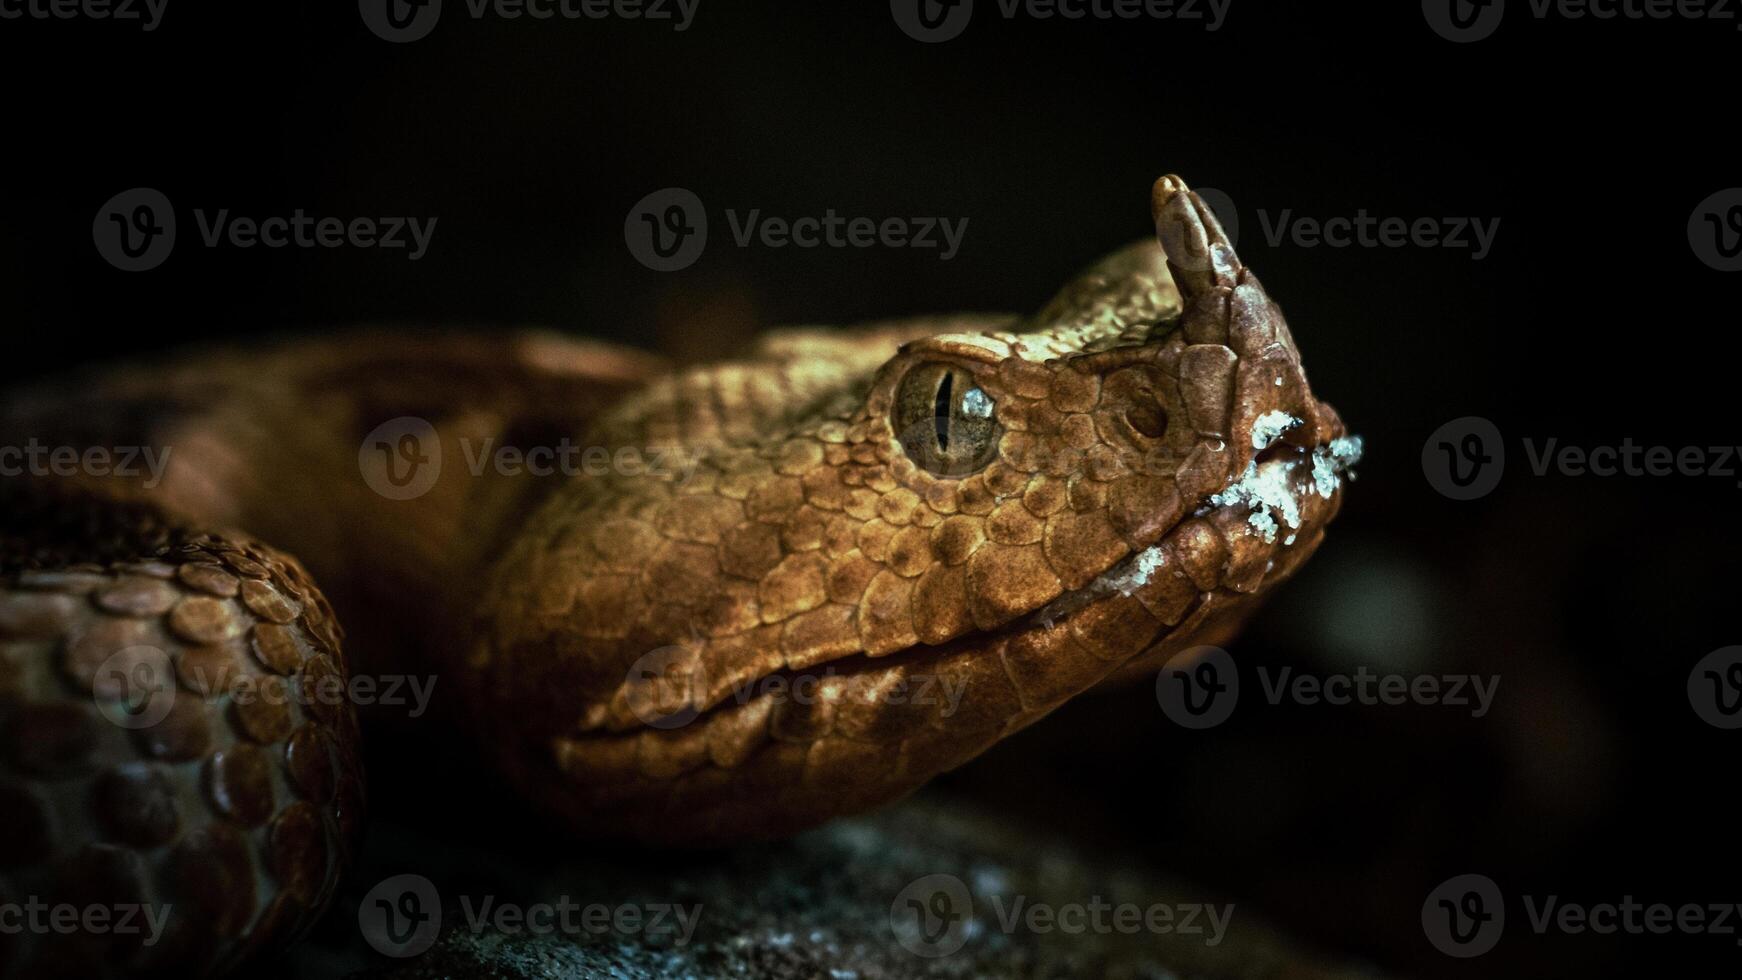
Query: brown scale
x,y
824,523
183,812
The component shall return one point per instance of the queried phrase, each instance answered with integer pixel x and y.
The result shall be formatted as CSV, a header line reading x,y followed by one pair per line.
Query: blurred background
x,y
1589,320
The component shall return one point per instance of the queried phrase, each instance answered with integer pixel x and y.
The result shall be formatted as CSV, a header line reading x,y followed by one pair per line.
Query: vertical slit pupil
x,y
941,414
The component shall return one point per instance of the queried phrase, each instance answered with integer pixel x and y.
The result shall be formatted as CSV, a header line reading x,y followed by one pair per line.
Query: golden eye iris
x,y
944,420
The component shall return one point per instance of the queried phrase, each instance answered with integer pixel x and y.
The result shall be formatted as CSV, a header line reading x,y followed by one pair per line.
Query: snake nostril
x,y
1273,451
1148,419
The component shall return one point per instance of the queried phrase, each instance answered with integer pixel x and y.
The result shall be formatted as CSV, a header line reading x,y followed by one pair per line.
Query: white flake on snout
x,y
1333,460
1268,490
1264,489
1270,426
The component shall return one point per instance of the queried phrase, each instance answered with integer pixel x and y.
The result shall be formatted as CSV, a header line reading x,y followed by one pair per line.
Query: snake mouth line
x,y
1272,500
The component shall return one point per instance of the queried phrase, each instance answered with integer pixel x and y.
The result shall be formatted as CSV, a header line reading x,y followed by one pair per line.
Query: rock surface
x,y
840,902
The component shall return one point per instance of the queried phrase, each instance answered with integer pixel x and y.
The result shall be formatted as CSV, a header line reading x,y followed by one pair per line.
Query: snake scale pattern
x,y
1015,508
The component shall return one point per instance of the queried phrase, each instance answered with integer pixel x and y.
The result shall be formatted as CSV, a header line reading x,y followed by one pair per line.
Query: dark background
x,y
1592,319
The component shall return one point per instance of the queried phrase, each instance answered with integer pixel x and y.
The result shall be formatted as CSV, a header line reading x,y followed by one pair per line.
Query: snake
x,y
729,601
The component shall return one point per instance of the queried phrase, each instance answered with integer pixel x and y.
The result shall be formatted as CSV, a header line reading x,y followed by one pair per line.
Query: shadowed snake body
x,y
865,557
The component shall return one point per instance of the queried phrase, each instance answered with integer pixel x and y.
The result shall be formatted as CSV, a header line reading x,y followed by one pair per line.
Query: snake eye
x,y
944,420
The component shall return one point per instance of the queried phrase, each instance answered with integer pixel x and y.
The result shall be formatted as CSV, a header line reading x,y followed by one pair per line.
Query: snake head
x,y
927,553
